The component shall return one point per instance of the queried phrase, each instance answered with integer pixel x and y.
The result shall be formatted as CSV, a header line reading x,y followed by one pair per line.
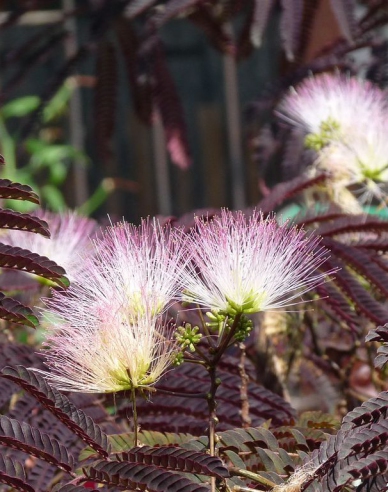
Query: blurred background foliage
x,y
144,107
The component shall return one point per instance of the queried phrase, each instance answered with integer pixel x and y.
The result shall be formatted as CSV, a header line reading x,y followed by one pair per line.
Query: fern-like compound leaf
x,y
134,475
190,415
353,223
105,97
23,437
339,304
287,190
138,74
10,219
290,26
58,404
15,312
359,261
170,110
26,261
17,191
363,301
344,12
370,466
177,459
380,334
370,411
124,442
261,11
12,473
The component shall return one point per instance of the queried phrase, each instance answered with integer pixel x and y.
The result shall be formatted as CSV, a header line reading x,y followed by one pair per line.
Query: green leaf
x,y
34,145
22,106
121,442
53,198
155,438
271,461
58,173
234,459
19,206
59,102
49,154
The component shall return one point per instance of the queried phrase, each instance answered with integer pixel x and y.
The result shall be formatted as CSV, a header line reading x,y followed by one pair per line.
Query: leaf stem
x,y
252,476
205,328
194,361
182,395
226,340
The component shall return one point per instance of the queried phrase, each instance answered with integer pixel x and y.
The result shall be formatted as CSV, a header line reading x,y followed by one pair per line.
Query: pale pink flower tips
x,y
109,355
68,244
106,332
250,264
346,122
332,98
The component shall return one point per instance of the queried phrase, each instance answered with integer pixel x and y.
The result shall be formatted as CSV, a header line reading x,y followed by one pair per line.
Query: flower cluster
x,y
346,122
107,332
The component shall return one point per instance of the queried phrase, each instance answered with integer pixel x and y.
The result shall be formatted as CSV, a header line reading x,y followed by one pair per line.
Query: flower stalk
x,y
134,416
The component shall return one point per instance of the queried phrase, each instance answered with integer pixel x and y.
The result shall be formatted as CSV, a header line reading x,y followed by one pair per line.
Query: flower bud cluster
x,y
187,337
224,321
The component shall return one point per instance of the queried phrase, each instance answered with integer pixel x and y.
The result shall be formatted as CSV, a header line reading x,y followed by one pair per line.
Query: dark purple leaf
x,y
261,11
23,260
105,97
17,191
344,13
15,312
58,404
290,26
10,219
25,438
171,111
177,459
133,475
13,474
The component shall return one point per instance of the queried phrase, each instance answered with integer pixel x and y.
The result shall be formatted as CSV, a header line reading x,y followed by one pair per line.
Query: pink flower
x,y
333,102
250,264
105,332
346,121
103,352
361,161
137,267
70,239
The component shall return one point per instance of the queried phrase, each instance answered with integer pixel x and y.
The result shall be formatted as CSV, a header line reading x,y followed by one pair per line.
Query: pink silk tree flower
x,y
138,267
101,352
346,121
329,106
70,239
105,332
250,264
361,161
